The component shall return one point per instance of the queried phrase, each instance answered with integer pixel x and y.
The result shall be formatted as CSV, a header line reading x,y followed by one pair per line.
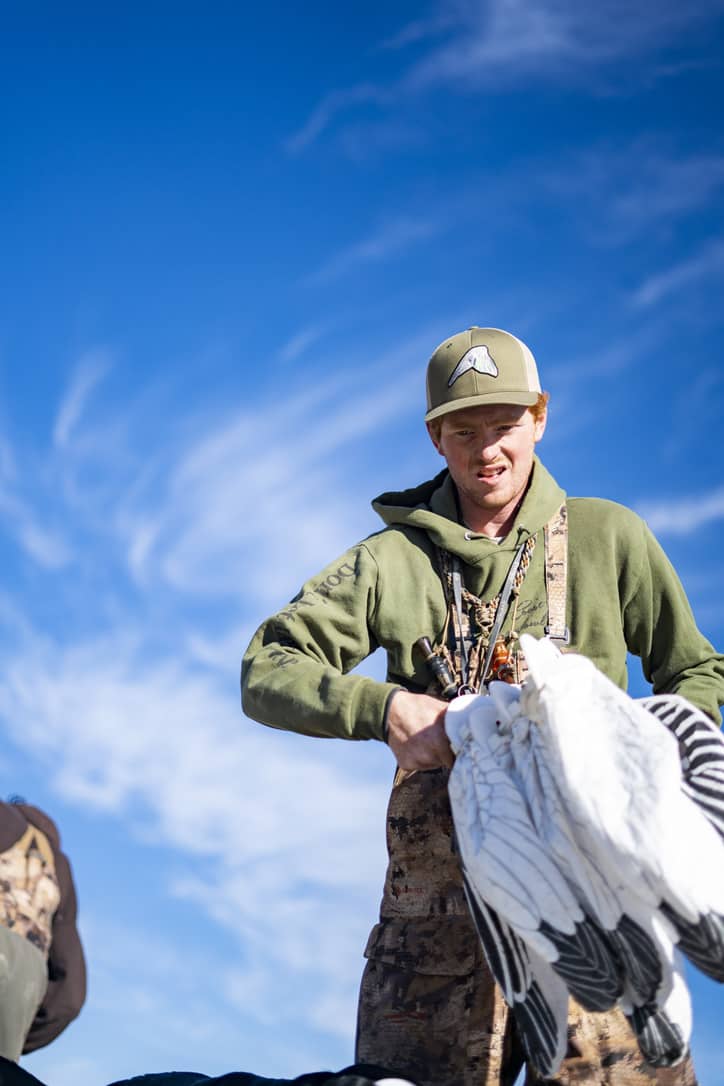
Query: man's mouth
x,y
488,474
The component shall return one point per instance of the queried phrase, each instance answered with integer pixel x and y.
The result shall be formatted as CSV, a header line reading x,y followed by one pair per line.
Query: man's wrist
x,y
385,715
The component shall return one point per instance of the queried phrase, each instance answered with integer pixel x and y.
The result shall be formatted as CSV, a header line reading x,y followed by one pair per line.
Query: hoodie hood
x,y
433,507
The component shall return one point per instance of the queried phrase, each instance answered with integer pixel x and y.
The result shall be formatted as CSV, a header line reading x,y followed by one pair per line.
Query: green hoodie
x,y
623,596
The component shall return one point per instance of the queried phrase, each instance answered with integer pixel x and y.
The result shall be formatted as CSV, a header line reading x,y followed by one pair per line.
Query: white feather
x,y
620,773
585,849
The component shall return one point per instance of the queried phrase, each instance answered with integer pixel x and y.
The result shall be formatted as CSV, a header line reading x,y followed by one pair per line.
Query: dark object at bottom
x,y
360,1074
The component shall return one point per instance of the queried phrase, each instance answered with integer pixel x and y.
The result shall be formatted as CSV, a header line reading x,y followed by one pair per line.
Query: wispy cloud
x,y
7,461
48,549
680,440
444,18
390,240
489,38
122,735
204,505
44,545
300,343
141,970
618,354
217,521
622,192
334,103
138,714
684,516
499,43
365,141
663,187
89,371
707,263
513,39
69,1071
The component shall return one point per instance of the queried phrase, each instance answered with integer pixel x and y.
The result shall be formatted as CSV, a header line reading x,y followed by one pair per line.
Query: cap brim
x,y
519,399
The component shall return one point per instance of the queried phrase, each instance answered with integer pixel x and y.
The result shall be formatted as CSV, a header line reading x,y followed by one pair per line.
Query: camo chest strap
x,y
475,624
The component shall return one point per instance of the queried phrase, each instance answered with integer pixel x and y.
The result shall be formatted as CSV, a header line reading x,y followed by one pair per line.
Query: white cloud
x,y
661,187
271,819
510,39
328,1007
89,371
337,101
138,715
219,653
159,741
8,468
220,520
708,262
137,975
499,43
144,533
390,240
684,516
366,141
68,1071
234,504
445,18
620,192
116,729
615,356
47,548
504,38
42,544
295,347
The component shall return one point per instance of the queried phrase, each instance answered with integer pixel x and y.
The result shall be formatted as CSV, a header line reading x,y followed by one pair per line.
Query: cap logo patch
x,y
478,359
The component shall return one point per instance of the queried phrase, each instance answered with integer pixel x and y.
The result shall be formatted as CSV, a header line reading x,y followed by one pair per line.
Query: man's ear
x,y
433,429
540,425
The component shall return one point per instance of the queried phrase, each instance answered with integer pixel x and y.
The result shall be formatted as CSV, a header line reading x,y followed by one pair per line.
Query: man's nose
x,y
488,449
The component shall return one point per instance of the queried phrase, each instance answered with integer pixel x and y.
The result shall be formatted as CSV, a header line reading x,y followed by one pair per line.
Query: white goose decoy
x,y
621,779
536,994
538,940
630,953
655,998
393,1082
537,998
701,752
622,776
574,862
511,872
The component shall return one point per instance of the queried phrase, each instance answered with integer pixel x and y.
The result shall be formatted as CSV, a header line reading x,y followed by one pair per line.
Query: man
x,y
488,549
42,967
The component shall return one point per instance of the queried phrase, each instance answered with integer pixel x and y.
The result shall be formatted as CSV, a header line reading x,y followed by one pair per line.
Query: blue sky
x,y
231,237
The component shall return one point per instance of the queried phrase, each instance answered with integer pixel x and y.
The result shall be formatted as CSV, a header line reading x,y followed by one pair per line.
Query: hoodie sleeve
x,y
66,990
659,627
294,674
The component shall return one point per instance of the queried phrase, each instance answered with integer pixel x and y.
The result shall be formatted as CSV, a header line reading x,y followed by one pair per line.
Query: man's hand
x,y
415,731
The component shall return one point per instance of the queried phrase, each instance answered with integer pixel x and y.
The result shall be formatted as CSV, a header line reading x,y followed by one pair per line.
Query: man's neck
x,y
493,527
495,524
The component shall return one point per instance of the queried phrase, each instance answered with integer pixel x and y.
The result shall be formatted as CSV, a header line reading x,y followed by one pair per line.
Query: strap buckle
x,y
564,637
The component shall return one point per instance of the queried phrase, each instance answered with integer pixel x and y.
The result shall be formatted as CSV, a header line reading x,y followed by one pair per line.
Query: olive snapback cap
x,y
480,366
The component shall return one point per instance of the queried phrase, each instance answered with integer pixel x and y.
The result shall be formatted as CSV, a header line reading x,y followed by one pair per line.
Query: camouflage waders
x,y
429,1007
